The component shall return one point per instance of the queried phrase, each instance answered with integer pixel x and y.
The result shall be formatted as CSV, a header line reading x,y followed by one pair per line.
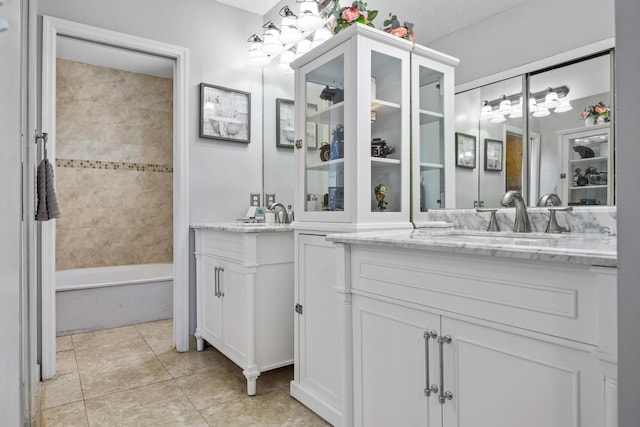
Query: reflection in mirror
x,y
568,151
278,154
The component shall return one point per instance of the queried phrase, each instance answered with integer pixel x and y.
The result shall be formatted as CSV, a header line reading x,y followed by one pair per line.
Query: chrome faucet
x,y
549,199
521,223
285,215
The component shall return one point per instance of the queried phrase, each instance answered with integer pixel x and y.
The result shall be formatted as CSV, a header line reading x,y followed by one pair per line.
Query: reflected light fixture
x,y
289,33
285,61
271,44
303,47
256,55
309,16
540,104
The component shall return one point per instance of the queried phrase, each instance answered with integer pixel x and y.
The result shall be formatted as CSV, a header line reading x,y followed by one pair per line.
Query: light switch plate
x,y
269,199
255,199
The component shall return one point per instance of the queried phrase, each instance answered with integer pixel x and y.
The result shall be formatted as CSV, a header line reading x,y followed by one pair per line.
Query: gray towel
x,y
47,201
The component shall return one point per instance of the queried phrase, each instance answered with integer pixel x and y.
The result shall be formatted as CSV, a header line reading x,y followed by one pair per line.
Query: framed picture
x,y
492,155
225,113
284,123
465,151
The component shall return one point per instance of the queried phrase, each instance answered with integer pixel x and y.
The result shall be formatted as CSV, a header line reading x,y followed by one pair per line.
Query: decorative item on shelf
x,y
324,151
337,143
380,192
379,148
584,152
349,15
595,177
596,114
393,26
334,94
336,198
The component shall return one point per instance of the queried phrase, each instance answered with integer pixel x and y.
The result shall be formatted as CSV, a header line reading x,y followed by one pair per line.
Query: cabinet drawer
x,y
222,244
551,298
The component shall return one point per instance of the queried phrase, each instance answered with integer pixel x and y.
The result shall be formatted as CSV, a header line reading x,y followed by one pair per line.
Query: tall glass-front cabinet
x,y
374,150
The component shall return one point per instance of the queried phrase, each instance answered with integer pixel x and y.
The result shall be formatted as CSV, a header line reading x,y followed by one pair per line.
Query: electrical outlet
x,y
255,199
269,199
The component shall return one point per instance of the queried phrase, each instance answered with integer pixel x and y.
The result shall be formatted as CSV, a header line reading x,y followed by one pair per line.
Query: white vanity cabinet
x,y
244,292
353,100
513,343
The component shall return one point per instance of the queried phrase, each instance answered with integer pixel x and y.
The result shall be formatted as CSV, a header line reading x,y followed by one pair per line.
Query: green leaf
x,y
372,15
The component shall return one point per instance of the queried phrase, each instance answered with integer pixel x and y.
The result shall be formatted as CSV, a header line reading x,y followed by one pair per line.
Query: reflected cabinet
x,y
587,170
366,107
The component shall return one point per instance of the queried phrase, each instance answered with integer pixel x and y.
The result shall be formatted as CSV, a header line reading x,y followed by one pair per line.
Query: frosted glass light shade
x,y
303,47
505,107
498,118
551,100
285,59
289,33
541,111
309,18
272,45
564,106
320,36
256,55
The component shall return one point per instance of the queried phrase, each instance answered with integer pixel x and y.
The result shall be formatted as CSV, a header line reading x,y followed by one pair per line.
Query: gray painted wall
x,y
628,177
222,173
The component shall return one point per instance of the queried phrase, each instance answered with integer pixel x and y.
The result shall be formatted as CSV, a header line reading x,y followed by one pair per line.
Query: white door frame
x,y
51,28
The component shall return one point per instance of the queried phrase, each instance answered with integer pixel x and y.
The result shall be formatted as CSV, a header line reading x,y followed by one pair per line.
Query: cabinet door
x,y
234,312
211,304
433,128
391,354
319,364
324,193
504,379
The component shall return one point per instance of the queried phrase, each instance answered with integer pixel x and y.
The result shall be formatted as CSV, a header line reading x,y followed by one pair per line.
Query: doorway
x,y
52,29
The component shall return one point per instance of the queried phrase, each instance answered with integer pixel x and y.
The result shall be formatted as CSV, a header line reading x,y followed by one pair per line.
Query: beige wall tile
x,y
113,217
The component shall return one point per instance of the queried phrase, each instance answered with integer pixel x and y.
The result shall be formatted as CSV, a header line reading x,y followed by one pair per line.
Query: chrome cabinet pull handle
x,y
215,281
429,388
220,293
444,395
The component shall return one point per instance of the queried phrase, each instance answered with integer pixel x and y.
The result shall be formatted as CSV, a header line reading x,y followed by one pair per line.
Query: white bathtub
x,y
91,299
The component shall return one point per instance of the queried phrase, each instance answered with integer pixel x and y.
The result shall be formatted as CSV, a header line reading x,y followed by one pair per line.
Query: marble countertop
x,y
238,227
581,248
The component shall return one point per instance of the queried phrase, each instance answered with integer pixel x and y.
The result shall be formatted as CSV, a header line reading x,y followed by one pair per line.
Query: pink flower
x,y
586,113
351,14
398,31
600,109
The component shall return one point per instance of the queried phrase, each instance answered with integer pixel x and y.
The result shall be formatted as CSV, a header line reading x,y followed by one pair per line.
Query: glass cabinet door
x,y
588,167
388,186
428,139
324,154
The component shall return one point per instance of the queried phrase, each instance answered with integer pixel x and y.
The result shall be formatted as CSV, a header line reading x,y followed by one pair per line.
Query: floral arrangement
x,y
597,111
393,26
357,12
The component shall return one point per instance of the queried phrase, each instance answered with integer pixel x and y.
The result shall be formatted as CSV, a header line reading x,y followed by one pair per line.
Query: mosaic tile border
x,y
100,164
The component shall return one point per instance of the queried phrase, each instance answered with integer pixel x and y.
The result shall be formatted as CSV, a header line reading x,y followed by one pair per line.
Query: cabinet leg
x,y
251,377
199,340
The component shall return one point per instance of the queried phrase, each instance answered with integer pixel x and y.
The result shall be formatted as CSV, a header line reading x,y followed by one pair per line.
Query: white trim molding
x,y
51,29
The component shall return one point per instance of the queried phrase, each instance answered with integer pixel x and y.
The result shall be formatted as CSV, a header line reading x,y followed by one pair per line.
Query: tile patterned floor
x,y
132,376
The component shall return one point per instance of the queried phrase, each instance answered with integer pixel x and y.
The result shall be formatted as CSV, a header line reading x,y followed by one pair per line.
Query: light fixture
x,y
551,99
505,106
541,111
309,16
563,107
539,104
256,55
297,33
289,33
320,36
271,44
303,47
285,61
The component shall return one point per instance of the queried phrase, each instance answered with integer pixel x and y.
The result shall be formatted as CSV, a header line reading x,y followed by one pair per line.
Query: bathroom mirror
x,y
538,139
